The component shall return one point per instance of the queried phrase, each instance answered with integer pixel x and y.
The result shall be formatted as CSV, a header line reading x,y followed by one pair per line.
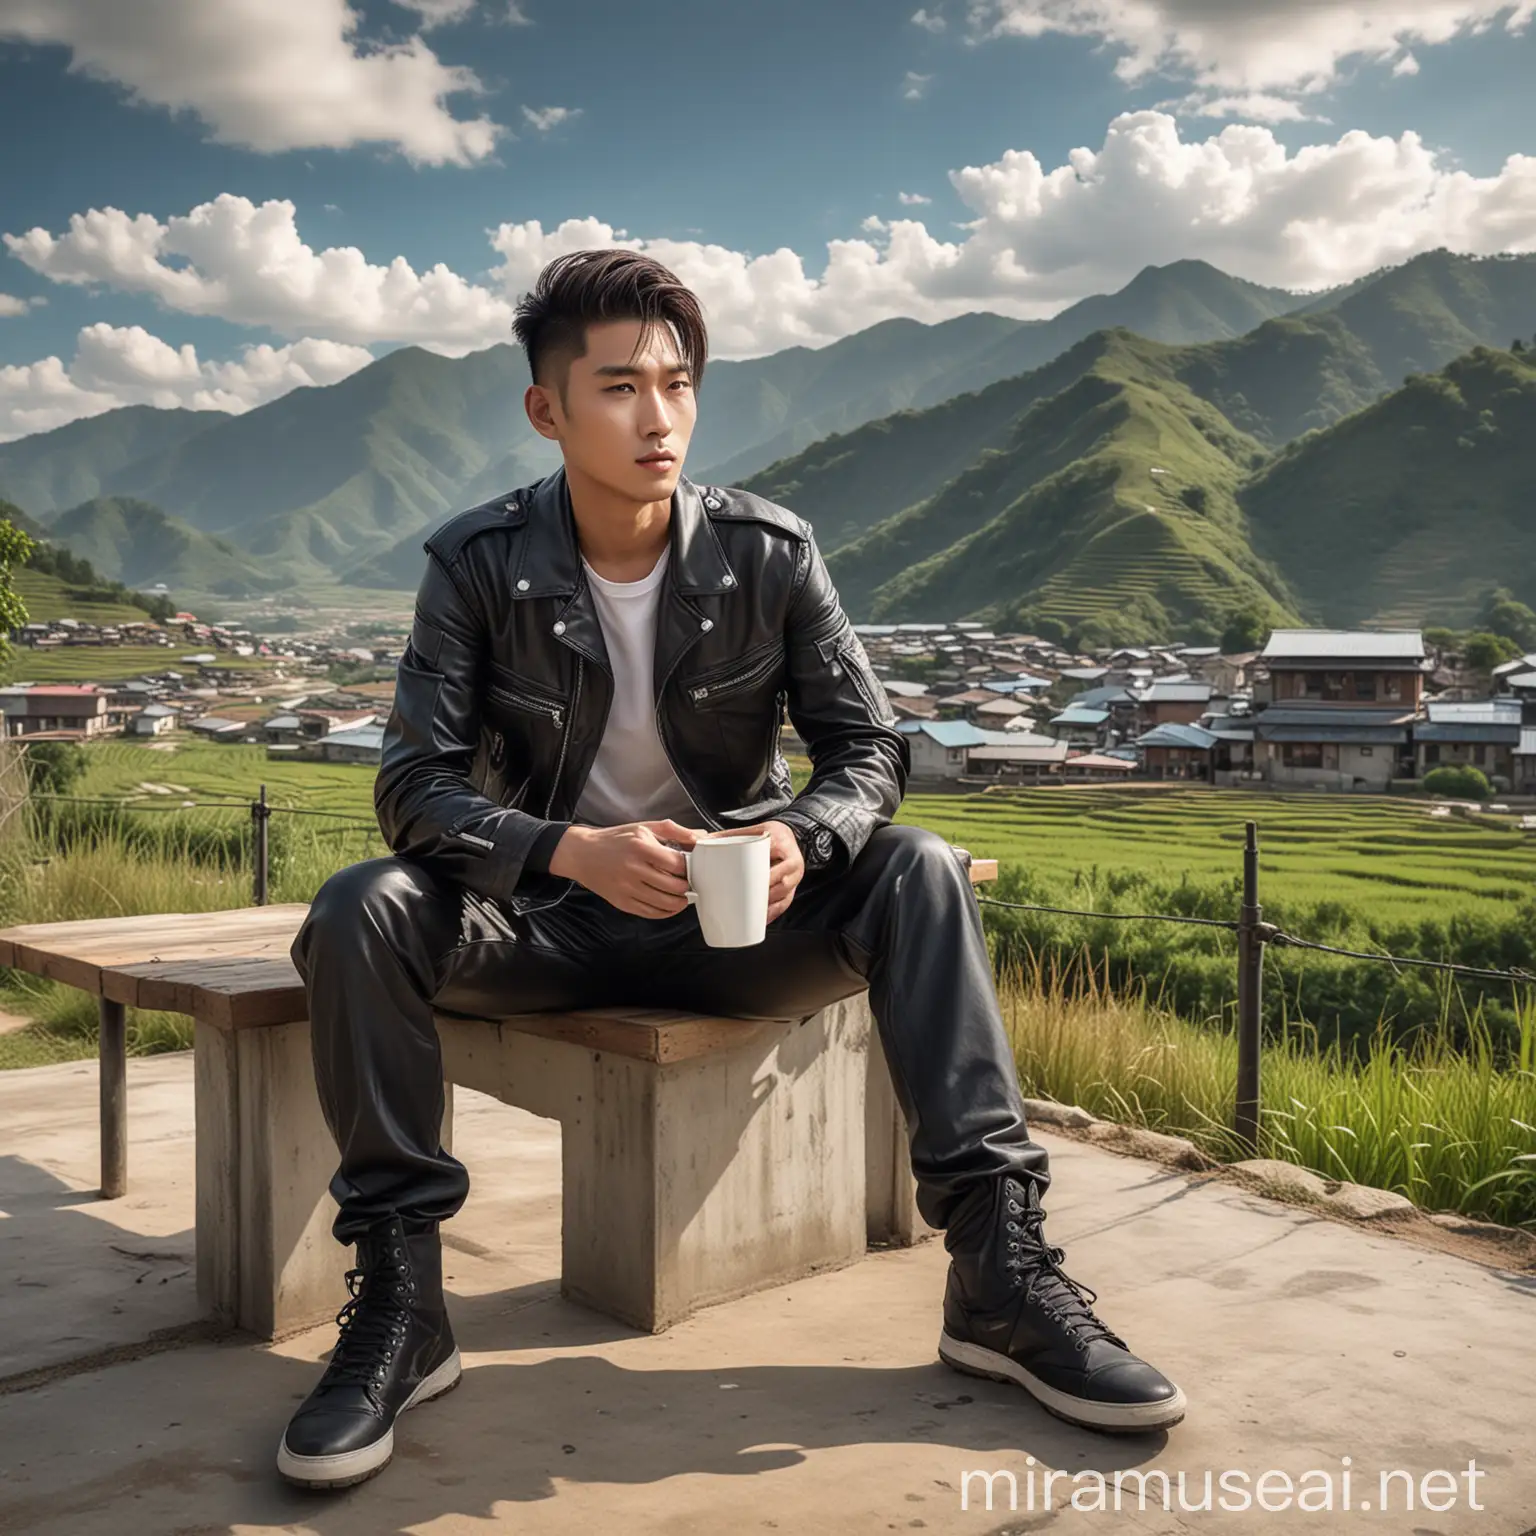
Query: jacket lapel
x,y
551,567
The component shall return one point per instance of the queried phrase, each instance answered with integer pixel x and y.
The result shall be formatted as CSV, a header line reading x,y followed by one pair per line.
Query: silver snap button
x,y
522,586
560,627
730,581
712,502
707,624
509,506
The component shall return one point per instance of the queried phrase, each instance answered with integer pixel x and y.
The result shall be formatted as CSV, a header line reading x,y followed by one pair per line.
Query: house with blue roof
x,y
1477,733
1177,751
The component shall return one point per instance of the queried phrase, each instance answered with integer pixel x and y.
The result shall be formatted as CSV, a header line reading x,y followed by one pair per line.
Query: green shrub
x,y
1458,782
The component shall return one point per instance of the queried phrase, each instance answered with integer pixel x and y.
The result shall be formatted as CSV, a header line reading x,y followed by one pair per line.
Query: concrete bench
x,y
702,1158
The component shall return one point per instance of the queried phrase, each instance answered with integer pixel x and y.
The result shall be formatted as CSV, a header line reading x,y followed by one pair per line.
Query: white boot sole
x,y
356,1466
1122,1418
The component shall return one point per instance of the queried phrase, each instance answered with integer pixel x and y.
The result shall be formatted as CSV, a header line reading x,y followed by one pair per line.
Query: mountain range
x,y
1137,457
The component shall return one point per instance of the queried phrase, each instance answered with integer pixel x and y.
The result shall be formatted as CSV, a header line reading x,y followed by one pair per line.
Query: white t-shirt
x,y
631,779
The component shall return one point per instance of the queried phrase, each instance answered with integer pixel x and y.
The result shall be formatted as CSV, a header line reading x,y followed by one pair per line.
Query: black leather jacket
x,y
504,687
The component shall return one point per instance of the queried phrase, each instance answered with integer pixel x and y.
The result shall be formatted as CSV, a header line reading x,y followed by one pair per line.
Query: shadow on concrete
x,y
195,1454
76,1275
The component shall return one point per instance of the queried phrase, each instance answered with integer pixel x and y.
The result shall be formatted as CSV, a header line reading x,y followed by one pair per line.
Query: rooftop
x,y
1344,644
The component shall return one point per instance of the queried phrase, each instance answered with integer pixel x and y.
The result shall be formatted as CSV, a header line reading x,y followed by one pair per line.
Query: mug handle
x,y
691,896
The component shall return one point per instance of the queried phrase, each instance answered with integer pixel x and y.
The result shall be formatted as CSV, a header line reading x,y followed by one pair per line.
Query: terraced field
x,y
1387,856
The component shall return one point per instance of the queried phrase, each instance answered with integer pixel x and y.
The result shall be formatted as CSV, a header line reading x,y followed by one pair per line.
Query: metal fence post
x,y
260,812
1250,982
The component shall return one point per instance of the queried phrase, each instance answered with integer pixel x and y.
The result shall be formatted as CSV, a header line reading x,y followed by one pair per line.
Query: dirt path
x,y
10,1022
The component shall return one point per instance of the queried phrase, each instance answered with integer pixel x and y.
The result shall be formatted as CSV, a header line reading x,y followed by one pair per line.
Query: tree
x,y
54,767
1501,614
1483,651
15,546
1246,629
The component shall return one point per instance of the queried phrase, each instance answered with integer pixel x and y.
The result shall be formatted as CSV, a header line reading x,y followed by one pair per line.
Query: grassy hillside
x,y
1409,511
49,597
52,470
136,543
1068,523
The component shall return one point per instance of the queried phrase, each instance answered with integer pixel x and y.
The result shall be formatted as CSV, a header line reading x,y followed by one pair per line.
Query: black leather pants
x,y
385,944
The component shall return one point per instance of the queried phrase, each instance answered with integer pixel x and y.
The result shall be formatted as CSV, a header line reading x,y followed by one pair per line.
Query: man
x,y
597,673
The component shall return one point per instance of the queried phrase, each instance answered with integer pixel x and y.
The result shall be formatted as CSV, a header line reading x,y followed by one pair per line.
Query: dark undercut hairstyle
x,y
586,287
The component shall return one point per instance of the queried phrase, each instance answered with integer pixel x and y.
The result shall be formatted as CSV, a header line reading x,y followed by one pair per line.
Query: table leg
x,y
113,1049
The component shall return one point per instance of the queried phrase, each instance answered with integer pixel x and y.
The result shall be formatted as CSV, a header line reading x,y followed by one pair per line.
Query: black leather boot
x,y
1011,1313
396,1350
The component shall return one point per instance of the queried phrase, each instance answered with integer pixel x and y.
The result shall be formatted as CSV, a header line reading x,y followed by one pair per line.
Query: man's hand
x,y
785,867
628,866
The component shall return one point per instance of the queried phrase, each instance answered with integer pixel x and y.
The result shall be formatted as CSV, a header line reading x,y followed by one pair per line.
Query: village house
x,y
152,720
938,747
1342,704
1171,703
1177,751
1080,725
1016,756
66,711
360,744
1097,768
1478,733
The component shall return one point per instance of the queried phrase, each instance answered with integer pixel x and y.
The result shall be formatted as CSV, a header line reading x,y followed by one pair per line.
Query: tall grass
x,y
1438,1121
1444,1119
61,862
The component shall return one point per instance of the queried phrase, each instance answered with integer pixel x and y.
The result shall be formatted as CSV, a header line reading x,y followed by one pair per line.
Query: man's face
x,y
620,407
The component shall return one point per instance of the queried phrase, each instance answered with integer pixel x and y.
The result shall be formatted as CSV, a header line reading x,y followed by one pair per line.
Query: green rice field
x,y
1385,855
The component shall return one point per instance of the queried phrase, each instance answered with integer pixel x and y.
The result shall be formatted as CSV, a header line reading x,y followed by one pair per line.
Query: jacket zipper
x,y
760,669
565,740
666,751
528,701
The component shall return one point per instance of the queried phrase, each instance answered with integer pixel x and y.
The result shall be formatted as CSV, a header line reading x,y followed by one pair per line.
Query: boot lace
x,y
1036,1268
375,1321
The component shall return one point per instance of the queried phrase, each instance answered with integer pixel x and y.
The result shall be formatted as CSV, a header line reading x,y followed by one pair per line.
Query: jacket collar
x,y
551,551
550,566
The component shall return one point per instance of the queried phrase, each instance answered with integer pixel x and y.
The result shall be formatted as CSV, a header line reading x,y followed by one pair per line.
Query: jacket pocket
x,y
706,689
551,707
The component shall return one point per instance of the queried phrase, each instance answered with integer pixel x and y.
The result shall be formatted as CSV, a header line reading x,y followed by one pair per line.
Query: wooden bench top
x,y
232,969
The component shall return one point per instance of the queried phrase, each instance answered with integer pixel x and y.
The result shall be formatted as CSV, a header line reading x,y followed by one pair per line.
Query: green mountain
x,y
1410,510
12,514
345,481
52,470
136,543
1113,499
1186,301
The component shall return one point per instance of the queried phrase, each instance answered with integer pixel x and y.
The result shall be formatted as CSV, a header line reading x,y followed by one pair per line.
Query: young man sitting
x,y
597,674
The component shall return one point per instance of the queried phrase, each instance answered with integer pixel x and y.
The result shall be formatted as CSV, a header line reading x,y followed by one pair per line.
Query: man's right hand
x,y
627,865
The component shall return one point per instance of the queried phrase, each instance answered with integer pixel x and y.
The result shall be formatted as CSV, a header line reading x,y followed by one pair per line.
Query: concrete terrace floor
x,y
818,1406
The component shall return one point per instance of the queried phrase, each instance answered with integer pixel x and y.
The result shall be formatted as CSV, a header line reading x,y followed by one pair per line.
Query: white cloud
x,y
1042,238
10,305
545,118
915,86
1239,47
1407,65
515,15
437,13
270,75
125,365
929,23
247,264
1038,238
912,198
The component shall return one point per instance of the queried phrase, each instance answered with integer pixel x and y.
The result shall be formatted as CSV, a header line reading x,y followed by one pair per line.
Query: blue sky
x,y
285,176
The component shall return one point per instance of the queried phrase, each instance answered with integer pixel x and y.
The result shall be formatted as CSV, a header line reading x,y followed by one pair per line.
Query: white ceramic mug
x,y
728,882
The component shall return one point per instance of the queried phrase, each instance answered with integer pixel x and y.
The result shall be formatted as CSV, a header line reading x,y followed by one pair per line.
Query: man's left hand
x,y
785,867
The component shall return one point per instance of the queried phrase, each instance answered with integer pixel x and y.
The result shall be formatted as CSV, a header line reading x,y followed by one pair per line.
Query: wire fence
x,y
1252,932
